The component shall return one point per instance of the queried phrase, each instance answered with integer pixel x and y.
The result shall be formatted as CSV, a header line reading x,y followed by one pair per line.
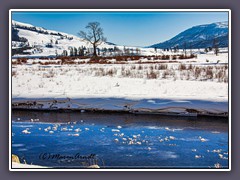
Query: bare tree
x,y
94,35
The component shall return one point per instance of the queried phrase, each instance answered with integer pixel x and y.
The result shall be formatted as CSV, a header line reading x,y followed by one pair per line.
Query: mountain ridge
x,y
199,36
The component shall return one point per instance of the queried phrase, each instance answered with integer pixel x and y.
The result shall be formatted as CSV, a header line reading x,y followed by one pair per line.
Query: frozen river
x,y
76,140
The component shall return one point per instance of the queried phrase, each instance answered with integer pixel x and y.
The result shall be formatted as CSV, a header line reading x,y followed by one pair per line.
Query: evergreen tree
x,y
71,51
65,53
206,50
75,52
215,46
137,51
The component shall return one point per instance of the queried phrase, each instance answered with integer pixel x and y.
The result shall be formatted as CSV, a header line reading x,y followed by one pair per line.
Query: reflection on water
x,y
120,140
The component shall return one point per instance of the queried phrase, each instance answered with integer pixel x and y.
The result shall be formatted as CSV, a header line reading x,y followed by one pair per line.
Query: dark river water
x,y
77,140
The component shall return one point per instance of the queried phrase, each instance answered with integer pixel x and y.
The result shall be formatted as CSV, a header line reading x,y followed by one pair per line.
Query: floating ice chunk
x,y
64,129
71,126
25,131
119,127
166,139
77,130
135,136
124,139
149,148
171,137
220,155
139,143
197,156
129,155
19,119
202,139
216,150
116,140
86,129
39,129
115,130
194,150
51,132
130,142
161,140
54,128
81,121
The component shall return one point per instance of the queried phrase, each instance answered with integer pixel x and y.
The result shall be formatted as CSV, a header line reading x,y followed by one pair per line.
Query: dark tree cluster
x,y
15,36
73,51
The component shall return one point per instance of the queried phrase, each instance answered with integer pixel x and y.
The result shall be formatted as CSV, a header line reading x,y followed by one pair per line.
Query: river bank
x,y
178,107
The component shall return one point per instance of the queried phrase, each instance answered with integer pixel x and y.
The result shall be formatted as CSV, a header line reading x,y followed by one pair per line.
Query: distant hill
x,y
31,40
199,37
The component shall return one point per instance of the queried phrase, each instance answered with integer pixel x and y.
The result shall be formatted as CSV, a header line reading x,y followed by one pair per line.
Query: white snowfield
x,y
91,87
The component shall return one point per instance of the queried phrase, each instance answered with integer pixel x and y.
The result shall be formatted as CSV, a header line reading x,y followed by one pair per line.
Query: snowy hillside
x,y
38,41
199,37
32,41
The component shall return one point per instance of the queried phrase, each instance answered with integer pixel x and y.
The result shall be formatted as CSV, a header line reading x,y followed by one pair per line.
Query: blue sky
x,y
123,28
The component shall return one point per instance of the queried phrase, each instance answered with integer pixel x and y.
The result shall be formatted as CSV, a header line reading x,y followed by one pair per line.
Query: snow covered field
x,y
179,87
132,79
